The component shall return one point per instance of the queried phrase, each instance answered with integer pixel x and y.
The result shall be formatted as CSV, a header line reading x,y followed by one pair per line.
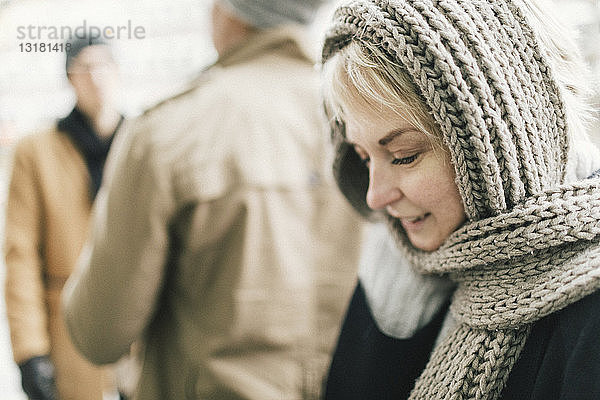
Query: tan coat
x,y
47,218
221,236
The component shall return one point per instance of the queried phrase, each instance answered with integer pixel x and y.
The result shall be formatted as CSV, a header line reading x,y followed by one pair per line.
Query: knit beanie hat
x,y
264,14
483,75
77,45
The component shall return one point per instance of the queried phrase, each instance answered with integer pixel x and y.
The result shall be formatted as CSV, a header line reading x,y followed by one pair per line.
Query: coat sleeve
x,y
112,295
24,287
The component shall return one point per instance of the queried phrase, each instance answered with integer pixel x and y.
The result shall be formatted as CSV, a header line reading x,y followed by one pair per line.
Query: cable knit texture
x,y
530,246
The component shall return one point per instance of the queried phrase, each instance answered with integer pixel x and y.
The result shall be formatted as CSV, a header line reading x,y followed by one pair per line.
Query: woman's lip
x,y
412,223
399,216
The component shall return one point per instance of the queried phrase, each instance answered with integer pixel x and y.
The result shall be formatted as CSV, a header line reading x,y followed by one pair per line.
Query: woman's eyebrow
x,y
393,134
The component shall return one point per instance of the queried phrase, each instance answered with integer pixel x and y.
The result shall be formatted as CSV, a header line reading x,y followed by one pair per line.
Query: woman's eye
x,y
405,160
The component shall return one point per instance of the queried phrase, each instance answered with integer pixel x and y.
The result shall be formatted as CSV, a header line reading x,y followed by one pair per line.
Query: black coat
x,y
560,361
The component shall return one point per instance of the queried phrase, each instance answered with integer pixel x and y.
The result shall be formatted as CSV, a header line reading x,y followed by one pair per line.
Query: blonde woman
x,y
462,125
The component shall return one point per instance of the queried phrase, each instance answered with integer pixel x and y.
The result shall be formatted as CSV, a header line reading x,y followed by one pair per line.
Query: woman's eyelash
x,y
405,160
396,161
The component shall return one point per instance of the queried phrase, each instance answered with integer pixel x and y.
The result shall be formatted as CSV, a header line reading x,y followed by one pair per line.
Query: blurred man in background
x,y
55,178
219,236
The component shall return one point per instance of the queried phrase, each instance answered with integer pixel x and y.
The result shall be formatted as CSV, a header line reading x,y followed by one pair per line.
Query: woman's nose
x,y
383,188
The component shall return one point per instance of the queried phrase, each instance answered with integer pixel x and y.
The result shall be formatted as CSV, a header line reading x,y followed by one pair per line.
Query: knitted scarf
x,y
530,246
511,270
93,148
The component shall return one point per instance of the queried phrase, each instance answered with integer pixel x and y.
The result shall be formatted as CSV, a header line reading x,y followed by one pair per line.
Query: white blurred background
x,y
34,91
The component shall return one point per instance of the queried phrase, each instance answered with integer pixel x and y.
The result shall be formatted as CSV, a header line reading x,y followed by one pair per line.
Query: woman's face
x,y
408,179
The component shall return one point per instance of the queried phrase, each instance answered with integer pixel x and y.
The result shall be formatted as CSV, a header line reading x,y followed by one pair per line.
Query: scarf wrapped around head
x,y
530,245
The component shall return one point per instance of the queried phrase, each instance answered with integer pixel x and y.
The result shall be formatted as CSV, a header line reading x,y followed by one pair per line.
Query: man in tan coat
x,y
55,178
219,237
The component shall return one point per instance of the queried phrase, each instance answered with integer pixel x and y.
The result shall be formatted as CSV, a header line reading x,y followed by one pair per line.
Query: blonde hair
x,y
362,79
362,75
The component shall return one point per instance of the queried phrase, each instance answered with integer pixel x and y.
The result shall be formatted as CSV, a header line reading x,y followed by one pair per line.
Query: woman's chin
x,y
424,244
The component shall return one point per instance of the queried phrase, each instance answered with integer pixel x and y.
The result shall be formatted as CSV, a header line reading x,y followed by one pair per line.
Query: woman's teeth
x,y
415,219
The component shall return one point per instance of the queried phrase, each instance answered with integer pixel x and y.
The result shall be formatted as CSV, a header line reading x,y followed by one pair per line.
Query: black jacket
x,y
560,361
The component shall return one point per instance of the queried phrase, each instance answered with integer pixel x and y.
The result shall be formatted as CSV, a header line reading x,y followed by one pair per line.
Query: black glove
x,y
37,378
